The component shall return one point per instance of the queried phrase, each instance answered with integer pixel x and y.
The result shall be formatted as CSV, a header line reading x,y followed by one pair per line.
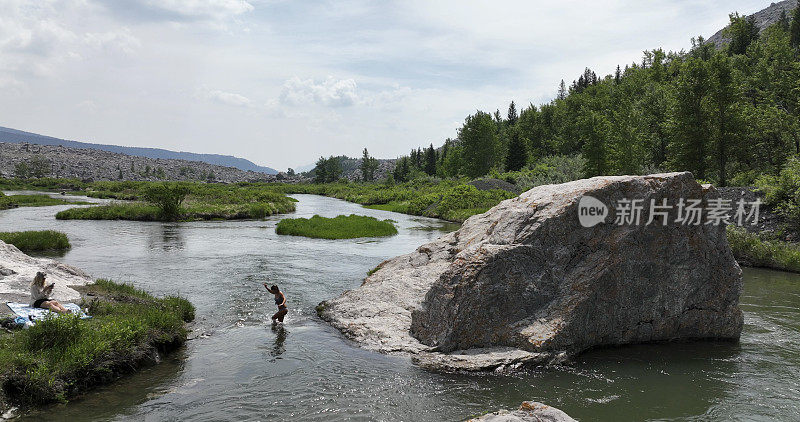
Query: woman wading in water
x,y
280,300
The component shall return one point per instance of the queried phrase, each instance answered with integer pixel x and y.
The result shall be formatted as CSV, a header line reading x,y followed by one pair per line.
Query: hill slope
x,y
17,136
764,18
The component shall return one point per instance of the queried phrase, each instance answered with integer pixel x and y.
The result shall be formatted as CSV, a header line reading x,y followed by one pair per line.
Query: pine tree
x,y
512,114
742,31
562,90
783,21
689,120
517,154
369,165
794,30
723,97
430,161
618,76
320,170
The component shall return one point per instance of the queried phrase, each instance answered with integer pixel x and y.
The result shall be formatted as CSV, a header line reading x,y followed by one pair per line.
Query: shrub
x,y
757,251
31,241
168,197
783,191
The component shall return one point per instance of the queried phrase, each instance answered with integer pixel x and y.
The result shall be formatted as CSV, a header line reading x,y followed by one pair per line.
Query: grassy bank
x,y
756,250
36,200
448,199
157,201
340,227
35,241
61,357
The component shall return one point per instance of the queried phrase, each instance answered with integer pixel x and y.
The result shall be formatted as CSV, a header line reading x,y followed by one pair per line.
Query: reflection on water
x,y
241,368
280,338
168,238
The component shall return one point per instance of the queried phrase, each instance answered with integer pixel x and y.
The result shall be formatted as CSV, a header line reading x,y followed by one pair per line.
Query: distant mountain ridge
x,y
763,18
17,136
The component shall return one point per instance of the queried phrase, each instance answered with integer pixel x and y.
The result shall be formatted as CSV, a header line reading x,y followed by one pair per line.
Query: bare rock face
x,y
19,269
529,411
526,282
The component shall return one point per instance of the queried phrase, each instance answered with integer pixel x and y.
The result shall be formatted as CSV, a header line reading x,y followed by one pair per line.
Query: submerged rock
x,y
528,411
525,282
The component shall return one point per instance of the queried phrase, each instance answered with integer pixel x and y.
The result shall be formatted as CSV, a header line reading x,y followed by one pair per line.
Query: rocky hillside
x,y
17,137
30,160
763,19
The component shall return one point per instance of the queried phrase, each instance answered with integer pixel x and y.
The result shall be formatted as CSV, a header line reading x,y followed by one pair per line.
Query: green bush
x,y
340,227
32,241
756,251
168,197
783,191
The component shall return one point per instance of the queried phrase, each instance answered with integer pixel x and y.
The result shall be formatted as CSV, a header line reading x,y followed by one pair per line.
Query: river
x,y
237,367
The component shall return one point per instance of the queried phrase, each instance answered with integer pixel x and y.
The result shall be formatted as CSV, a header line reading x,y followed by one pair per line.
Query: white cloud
x,y
213,9
331,92
226,98
121,40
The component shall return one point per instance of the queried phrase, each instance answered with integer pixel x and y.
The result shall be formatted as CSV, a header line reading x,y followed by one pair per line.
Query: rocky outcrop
x,y
763,19
526,283
21,268
529,411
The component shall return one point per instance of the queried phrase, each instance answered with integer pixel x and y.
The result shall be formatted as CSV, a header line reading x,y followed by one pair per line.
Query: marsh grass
x,y
202,202
448,199
63,356
35,200
36,241
340,227
758,251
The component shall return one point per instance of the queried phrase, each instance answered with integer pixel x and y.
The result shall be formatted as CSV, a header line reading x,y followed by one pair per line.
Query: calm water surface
x,y
239,368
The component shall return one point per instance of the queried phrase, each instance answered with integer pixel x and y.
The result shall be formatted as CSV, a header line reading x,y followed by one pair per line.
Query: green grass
x,y
757,251
452,200
33,241
340,227
133,211
204,202
63,356
36,200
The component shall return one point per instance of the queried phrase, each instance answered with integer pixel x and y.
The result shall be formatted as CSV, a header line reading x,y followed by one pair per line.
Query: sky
x,y
282,83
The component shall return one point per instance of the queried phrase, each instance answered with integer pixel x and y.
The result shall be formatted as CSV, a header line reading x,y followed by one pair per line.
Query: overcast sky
x,y
283,82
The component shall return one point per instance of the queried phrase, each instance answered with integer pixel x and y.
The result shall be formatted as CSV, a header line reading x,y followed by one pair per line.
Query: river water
x,y
239,368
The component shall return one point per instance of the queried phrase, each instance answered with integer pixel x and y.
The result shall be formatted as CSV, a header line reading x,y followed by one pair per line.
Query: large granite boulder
x,y
529,411
528,282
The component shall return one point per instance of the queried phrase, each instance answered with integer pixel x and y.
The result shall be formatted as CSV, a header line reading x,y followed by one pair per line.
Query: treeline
x,y
728,115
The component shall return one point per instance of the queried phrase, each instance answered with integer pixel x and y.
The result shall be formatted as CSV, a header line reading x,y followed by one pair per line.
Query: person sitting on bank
x,y
40,294
280,300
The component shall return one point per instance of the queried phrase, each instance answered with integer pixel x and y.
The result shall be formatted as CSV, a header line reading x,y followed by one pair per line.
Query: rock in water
x,y
526,282
529,411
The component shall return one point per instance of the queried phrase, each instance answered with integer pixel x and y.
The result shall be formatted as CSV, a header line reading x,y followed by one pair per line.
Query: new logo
x,y
591,211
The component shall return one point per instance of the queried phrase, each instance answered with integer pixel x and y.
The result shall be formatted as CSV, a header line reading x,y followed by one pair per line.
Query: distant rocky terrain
x,y
528,283
17,136
763,19
93,165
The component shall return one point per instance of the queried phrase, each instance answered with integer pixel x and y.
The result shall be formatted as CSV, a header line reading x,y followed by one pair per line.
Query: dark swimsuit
x,y
279,300
38,303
